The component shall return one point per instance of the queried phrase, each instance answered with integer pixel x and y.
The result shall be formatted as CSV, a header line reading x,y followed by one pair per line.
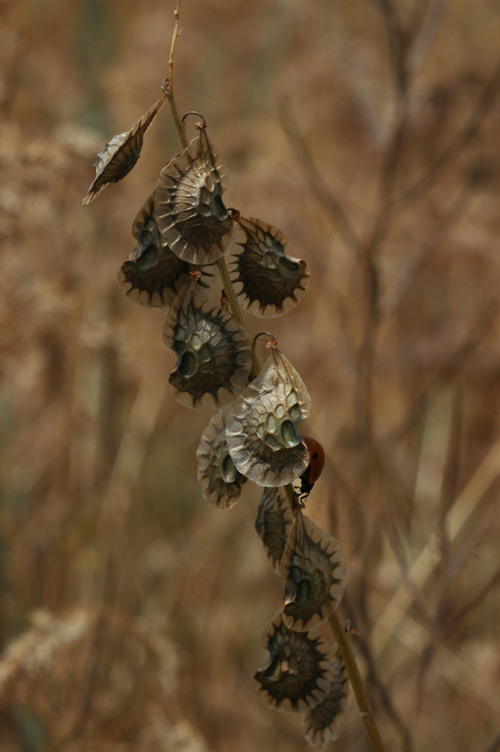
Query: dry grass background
x,y
131,610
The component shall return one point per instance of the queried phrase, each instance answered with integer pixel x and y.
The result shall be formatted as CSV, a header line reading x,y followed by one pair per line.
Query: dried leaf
x,y
273,524
214,354
325,722
314,570
268,281
153,275
120,154
261,428
220,482
191,216
300,669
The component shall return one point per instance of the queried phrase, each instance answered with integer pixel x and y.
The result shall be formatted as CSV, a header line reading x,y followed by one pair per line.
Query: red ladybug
x,y
314,468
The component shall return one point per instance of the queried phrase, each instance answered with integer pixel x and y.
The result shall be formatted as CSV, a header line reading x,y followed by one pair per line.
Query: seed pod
x,y
273,524
120,154
261,428
214,354
325,722
313,567
300,670
220,482
191,216
153,275
268,281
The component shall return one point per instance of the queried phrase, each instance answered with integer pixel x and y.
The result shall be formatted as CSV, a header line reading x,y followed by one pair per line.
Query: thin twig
x,y
169,87
317,185
457,146
451,367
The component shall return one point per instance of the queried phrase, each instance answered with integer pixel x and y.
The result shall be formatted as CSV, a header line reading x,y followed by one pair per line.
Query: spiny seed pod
x,y
191,216
324,723
153,275
300,670
268,281
313,567
214,354
273,524
261,428
220,482
120,154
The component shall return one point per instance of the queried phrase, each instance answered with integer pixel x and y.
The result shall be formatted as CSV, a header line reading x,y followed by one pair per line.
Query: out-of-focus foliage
x,y
376,152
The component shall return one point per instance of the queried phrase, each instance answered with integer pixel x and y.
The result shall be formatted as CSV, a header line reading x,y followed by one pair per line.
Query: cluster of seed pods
x,y
182,232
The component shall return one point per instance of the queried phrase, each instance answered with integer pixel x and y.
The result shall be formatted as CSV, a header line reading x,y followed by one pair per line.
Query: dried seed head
x,y
300,670
324,723
268,281
273,524
214,354
314,569
120,154
261,429
153,275
220,482
191,216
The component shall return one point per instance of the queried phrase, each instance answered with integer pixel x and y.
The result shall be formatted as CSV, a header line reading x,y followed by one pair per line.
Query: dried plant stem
x,y
339,634
169,89
228,288
233,304
357,684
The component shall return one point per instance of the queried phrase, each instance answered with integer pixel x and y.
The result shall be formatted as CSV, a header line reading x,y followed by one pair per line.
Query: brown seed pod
x,y
214,354
325,722
313,567
220,482
153,275
120,154
300,669
191,216
261,428
273,524
268,281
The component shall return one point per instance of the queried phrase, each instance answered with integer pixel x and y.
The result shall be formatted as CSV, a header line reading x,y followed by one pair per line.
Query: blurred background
x,y
131,610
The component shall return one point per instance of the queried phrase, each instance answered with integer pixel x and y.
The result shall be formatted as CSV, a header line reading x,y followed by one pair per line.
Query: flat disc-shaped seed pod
x,y
191,215
120,154
220,482
153,275
214,354
261,428
325,722
314,569
300,669
268,280
273,524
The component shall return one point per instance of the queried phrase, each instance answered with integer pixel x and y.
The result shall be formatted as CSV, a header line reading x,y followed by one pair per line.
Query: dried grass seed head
x,y
300,670
325,722
273,524
267,280
190,213
220,482
153,275
214,354
120,154
314,569
261,430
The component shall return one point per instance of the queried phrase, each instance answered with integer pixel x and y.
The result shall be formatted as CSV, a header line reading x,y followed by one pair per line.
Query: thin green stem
x,y
357,684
